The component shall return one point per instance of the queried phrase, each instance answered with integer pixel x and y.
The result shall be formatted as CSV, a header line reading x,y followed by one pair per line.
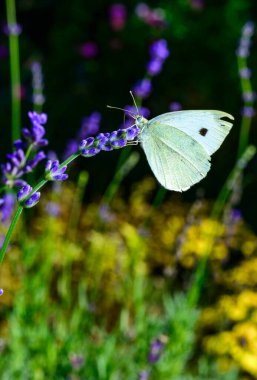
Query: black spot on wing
x,y
203,131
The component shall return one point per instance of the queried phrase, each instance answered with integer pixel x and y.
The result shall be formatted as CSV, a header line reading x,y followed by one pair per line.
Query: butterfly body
x,y
178,145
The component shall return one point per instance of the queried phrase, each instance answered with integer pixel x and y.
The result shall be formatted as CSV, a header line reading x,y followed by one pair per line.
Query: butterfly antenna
x,y
134,101
122,109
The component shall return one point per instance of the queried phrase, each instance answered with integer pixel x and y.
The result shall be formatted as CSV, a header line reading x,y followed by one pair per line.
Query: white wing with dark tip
x,y
206,127
178,145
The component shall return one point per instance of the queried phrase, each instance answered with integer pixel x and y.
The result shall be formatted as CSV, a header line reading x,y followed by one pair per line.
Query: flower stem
x,y
218,207
9,232
14,68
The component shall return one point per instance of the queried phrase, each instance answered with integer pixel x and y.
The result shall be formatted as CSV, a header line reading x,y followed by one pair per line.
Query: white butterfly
x,y
178,145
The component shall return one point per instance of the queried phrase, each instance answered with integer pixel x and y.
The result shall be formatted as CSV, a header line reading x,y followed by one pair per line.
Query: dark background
x,y
201,73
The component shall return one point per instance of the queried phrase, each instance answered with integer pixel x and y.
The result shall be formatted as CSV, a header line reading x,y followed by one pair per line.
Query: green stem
x,y
15,69
9,232
200,274
20,208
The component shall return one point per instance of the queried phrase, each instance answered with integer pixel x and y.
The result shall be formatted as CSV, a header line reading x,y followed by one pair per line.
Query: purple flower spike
x,y
1,292
54,172
33,200
154,67
245,72
24,192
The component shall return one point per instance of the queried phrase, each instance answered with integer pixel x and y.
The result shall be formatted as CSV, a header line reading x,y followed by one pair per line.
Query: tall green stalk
x,y
14,67
218,207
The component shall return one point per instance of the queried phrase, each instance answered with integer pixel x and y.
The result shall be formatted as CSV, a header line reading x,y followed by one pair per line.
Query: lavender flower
x,y
90,125
37,83
107,141
12,29
245,72
53,208
249,96
35,135
143,88
23,194
88,50
118,16
33,200
6,207
153,17
1,292
243,49
77,361
159,49
53,171
143,375
159,53
155,351
248,111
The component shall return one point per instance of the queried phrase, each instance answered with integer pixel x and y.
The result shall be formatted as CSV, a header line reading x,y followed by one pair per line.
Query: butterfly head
x,y
140,121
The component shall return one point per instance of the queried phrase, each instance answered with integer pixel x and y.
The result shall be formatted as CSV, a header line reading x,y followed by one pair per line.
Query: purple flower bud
x,y
31,164
155,351
24,192
53,208
33,200
77,361
154,67
19,182
88,50
118,15
89,152
37,118
132,132
12,29
242,52
86,143
248,111
1,292
143,88
6,207
53,171
159,49
143,375
18,144
245,72
118,144
249,96
248,29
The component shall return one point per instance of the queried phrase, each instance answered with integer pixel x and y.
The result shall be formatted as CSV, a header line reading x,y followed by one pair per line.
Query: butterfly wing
x,y
177,160
206,127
